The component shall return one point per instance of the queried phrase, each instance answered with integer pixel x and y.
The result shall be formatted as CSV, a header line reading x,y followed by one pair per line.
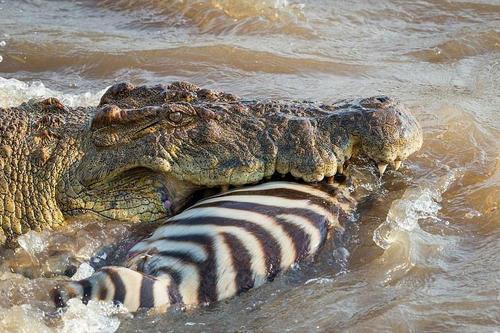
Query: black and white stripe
x,y
220,247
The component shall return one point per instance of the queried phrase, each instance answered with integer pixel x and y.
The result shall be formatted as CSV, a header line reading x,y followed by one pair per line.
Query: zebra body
x,y
220,247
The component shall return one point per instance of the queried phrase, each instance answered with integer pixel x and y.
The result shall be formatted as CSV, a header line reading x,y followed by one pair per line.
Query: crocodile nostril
x,y
377,102
382,99
120,88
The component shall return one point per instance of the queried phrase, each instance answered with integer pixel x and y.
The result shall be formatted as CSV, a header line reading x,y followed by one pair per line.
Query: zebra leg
x,y
120,285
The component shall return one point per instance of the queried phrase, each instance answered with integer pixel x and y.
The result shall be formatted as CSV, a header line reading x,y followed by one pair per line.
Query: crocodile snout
x,y
388,132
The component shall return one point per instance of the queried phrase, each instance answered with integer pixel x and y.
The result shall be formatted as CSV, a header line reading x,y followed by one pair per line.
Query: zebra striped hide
x,y
220,247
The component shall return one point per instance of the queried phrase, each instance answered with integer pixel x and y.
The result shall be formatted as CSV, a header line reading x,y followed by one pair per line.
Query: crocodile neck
x,y
39,141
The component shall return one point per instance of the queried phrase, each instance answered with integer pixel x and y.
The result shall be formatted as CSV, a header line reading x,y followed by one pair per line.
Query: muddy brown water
x,y
423,253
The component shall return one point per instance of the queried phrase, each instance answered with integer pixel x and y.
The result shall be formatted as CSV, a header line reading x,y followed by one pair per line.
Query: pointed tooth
x,y
381,168
224,188
349,152
340,169
397,164
319,177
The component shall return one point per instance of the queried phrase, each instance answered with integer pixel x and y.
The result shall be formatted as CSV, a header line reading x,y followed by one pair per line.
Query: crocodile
x,y
145,151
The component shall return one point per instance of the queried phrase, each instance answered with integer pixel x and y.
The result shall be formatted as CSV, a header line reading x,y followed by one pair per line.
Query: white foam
x,y
33,242
22,318
405,243
14,92
84,271
322,280
90,318
416,204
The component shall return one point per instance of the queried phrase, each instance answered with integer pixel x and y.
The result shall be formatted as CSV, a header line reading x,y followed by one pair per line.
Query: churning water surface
x,y
422,253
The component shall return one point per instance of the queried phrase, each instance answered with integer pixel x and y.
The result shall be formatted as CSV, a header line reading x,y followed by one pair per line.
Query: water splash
x,y
84,271
33,242
25,316
77,317
46,252
93,317
14,92
416,204
405,243
321,280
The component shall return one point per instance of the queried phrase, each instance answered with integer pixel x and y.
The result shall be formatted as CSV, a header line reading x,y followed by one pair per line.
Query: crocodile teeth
x,y
381,168
397,164
340,169
224,188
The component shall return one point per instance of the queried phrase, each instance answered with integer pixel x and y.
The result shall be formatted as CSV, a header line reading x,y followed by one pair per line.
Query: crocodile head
x,y
383,129
147,151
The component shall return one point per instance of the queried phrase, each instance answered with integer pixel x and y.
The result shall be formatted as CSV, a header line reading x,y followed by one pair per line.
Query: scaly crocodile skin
x,y
142,153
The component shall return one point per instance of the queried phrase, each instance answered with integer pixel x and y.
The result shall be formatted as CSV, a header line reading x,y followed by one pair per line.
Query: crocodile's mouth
x,y
141,194
146,194
136,194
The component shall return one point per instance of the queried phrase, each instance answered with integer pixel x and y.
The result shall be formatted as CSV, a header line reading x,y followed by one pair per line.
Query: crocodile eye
x,y
175,117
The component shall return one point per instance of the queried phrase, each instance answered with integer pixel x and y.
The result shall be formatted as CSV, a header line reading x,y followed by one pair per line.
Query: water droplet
x,y
3,43
1,58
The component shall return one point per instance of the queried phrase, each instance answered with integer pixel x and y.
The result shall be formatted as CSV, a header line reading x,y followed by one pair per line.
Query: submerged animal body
x,y
220,247
144,151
